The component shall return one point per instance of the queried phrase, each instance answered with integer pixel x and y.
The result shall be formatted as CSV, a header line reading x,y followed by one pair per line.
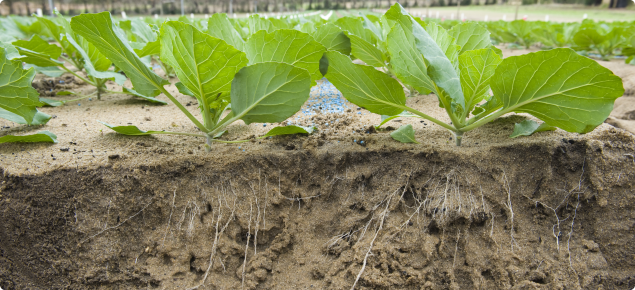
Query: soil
x,y
99,210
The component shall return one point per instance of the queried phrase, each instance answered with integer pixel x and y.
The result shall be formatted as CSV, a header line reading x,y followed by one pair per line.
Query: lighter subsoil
x,y
100,210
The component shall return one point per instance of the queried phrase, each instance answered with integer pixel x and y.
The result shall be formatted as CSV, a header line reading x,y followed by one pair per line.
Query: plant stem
x,y
424,116
448,108
99,86
77,65
208,143
179,133
458,136
484,121
230,118
81,78
236,141
184,110
83,97
114,92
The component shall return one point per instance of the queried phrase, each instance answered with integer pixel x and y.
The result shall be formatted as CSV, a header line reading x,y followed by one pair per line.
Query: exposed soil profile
x,y
103,211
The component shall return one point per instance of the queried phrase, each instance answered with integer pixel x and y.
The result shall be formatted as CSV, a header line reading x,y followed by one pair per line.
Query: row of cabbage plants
x,y
596,39
261,70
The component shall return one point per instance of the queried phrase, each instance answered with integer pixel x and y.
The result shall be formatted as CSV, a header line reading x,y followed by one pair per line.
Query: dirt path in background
x,y
103,211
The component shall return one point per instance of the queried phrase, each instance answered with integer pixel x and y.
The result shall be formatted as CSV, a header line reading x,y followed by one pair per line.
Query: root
x,y
370,247
258,215
511,210
194,211
575,213
216,237
114,227
456,248
382,218
251,207
557,226
167,229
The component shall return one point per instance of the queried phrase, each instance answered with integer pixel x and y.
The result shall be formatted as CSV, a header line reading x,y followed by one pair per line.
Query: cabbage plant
x,y
460,66
50,59
19,101
267,83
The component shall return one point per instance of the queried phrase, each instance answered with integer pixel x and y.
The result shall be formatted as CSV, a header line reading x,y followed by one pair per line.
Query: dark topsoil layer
x,y
103,211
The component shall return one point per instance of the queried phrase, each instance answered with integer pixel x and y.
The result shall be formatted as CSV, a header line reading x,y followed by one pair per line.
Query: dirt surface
x,y
103,211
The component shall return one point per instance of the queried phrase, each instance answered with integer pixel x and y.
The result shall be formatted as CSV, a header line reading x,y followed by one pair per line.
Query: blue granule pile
x,y
325,99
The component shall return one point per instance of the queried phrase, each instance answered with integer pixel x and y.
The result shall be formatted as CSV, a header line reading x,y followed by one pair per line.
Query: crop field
x,y
329,150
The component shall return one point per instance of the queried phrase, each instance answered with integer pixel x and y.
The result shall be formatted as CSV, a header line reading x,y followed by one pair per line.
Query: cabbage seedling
x,y
558,86
217,74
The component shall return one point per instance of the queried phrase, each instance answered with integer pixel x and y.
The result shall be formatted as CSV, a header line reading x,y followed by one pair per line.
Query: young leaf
x,y
405,134
588,39
42,136
445,42
367,52
10,28
288,130
365,86
16,94
136,94
142,31
10,50
528,127
150,48
307,27
39,118
470,36
522,30
440,68
385,118
131,130
407,61
50,102
204,64
58,31
280,23
333,38
370,25
256,23
101,61
355,26
219,26
288,46
51,71
269,92
38,52
184,90
99,30
477,67
558,86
